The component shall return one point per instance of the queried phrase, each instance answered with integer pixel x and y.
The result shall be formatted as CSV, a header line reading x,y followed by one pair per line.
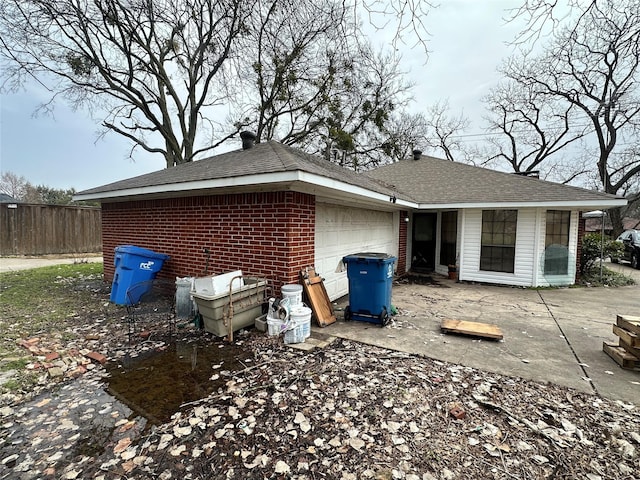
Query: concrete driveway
x,y
550,335
12,264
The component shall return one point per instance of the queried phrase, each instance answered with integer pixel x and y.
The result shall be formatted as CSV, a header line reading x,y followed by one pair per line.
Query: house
x,y
594,225
271,210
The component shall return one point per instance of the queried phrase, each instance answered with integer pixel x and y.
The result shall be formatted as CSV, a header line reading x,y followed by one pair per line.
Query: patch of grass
x,y
17,364
12,385
45,303
38,301
609,278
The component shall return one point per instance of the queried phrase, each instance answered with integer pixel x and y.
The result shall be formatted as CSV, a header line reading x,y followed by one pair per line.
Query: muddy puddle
x,y
161,381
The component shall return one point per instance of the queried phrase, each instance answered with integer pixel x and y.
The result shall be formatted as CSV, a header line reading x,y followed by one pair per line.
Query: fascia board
x,y
244,181
576,205
219,183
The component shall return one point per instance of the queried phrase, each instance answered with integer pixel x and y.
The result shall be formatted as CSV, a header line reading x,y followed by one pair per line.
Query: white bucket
x,y
275,326
184,303
301,318
293,292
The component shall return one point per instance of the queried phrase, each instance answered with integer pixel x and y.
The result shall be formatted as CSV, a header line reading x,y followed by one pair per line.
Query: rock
x,y
55,372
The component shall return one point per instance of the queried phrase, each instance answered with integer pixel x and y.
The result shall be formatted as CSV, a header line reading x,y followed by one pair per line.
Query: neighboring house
x,y
271,210
594,225
4,198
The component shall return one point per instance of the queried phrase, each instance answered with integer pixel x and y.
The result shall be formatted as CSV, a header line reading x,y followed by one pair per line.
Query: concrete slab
x,y
11,264
552,335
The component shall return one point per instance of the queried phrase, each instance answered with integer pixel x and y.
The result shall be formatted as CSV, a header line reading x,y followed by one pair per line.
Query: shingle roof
x,y
436,181
428,181
267,157
4,198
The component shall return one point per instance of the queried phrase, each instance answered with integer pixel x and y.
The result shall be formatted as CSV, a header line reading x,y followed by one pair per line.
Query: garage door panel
x,y
343,231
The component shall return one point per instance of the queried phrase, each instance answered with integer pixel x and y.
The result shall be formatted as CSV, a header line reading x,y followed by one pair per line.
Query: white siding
x,y
343,231
526,244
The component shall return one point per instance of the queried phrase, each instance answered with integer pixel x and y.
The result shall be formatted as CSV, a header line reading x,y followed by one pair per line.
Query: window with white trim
x,y
556,244
498,244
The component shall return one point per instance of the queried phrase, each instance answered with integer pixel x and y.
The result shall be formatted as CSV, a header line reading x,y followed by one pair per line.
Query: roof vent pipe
x,y
417,154
248,139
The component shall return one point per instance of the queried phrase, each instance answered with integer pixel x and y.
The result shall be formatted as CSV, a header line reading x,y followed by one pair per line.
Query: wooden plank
x,y
629,348
485,330
629,338
629,322
621,356
317,296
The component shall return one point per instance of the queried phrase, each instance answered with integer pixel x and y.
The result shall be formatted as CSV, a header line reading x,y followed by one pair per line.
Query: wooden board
x,y
485,330
629,348
317,297
621,356
629,322
629,338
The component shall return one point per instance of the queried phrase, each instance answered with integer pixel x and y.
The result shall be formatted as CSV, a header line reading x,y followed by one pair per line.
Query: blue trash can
x,y
370,280
133,265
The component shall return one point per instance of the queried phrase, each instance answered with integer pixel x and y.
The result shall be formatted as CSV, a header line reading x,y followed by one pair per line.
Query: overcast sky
x,y
62,151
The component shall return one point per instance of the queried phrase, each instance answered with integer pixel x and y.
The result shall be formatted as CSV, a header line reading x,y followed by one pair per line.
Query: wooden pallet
x,y
629,322
629,337
476,329
621,356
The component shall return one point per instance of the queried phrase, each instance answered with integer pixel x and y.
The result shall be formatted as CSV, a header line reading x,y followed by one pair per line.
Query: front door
x,y
423,256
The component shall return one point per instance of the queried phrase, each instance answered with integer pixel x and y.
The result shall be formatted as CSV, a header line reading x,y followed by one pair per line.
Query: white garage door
x,y
343,231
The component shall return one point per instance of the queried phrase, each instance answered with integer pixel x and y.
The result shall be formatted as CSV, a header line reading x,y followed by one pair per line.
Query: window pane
x,y
498,240
556,259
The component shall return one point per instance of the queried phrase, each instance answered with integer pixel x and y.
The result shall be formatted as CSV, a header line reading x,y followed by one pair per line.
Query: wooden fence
x,y
27,229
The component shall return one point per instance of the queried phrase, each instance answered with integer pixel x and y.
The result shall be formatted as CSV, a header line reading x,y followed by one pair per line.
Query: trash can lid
x,y
370,255
143,252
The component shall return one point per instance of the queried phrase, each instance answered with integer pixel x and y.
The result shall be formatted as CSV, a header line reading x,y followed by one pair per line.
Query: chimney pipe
x,y
248,139
417,154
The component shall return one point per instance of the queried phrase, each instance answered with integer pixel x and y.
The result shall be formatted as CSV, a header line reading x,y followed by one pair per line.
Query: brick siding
x,y
401,268
269,234
581,233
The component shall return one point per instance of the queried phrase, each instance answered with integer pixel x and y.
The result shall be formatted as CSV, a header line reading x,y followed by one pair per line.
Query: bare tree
x,y
534,132
155,66
366,114
165,71
323,87
294,56
592,66
444,131
13,185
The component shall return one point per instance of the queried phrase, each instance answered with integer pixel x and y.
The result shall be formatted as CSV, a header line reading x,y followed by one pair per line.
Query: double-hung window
x,y
498,245
556,258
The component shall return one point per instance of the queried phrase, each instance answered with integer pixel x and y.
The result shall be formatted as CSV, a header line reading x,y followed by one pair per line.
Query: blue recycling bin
x,y
370,280
133,265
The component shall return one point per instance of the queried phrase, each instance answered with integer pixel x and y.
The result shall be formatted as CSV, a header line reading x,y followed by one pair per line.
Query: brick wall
x,y
267,234
402,243
581,233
